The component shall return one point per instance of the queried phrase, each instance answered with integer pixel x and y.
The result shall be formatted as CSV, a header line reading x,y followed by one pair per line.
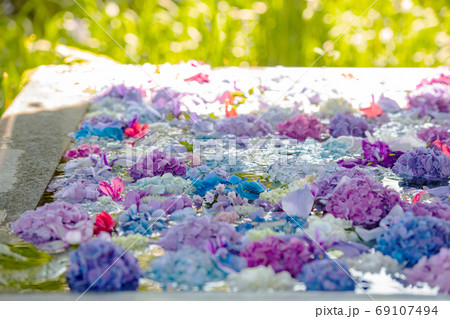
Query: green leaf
x,y
189,146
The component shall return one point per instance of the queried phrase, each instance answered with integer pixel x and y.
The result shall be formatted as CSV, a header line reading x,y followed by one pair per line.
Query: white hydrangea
x,y
163,184
336,105
373,262
277,194
403,143
330,227
245,210
261,279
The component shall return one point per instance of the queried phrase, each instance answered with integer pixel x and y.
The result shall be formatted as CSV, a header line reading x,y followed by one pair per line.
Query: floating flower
x,y
373,110
157,163
302,126
124,93
245,125
102,266
78,192
282,254
374,262
413,237
204,233
443,147
348,125
430,99
434,270
434,133
379,153
435,209
423,165
187,269
114,190
260,279
103,223
335,106
83,150
199,77
54,226
363,201
328,275
144,220
137,130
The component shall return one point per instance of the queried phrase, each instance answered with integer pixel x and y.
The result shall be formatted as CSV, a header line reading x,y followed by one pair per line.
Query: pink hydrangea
x,y
435,209
83,150
434,270
302,126
363,201
228,217
282,254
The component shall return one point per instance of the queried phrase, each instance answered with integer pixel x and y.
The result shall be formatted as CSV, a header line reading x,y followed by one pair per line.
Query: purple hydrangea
x,y
411,238
54,226
187,269
78,192
204,233
100,265
124,93
422,165
434,271
379,153
325,185
302,126
327,275
434,133
435,209
363,201
282,254
348,125
431,98
245,125
157,163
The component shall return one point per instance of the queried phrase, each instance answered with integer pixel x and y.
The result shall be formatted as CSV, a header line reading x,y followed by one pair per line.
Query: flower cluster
x,y
144,220
325,185
244,126
165,184
203,233
261,279
328,275
124,93
435,209
423,165
434,271
302,126
348,125
363,201
185,269
413,237
54,226
157,163
435,133
100,265
83,150
429,99
282,254
335,106
373,262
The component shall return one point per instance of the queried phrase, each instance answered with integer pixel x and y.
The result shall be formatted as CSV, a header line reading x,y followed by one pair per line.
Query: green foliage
x,y
234,32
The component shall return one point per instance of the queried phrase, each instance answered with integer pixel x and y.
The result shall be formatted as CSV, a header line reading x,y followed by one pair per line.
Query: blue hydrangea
x,y
413,237
100,265
142,221
107,132
328,275
187,269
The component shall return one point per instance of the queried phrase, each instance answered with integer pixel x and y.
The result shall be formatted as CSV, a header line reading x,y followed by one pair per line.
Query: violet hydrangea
x,y
289,253
435,271
348,125
54,226
434,133
413,237
83,150
363,201
99,265
435,209
379,153
422,165
302,126
204,233
431,98
157,163
328,275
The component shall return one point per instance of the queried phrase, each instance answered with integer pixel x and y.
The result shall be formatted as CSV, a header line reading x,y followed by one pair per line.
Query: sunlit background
x,y
391,33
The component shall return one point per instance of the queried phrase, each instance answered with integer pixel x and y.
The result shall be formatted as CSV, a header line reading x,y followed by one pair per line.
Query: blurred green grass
x,y
236,32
